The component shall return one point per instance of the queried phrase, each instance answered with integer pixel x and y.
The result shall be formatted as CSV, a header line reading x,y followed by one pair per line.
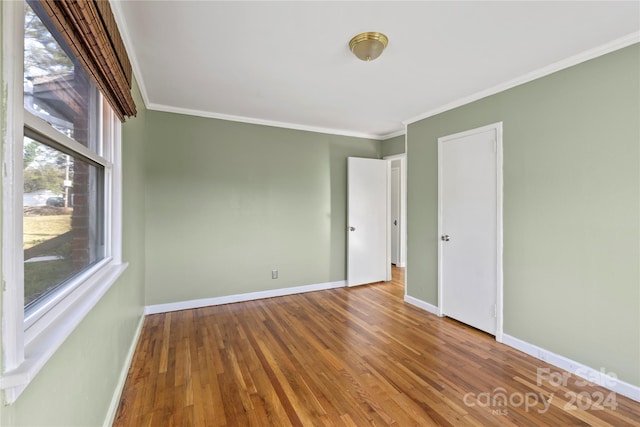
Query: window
x,y
63,222
61,194
56,87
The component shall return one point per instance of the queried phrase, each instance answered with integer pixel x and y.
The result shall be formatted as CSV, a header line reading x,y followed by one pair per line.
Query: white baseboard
x,y
423,305
117,394
205,302
599,377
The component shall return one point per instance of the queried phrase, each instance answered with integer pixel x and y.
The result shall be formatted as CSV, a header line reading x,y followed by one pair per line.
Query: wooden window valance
x,y
90,30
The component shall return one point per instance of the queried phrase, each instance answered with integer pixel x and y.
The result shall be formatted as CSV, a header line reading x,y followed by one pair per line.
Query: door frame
x,y
394,196
497,127
403,206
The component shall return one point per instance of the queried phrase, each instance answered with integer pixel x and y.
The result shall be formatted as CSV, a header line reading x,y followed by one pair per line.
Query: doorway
x,y
395,215
371,238
398,208
470,228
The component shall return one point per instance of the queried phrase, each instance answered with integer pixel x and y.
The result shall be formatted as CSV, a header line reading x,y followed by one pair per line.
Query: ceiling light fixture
x,y
368,46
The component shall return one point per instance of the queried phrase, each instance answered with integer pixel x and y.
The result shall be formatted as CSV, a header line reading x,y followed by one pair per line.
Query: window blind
x,y
90,30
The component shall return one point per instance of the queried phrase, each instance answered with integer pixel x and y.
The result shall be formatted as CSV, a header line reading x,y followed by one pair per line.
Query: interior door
x,y
395,216
468,224
368,210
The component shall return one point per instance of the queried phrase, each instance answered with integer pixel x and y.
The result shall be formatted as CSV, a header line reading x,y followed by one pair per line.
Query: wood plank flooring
x,y
346,357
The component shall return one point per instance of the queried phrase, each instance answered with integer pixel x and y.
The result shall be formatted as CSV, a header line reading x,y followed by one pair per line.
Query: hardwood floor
x,y
346,357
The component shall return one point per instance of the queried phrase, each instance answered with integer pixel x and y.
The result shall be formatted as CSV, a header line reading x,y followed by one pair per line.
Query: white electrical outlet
x,y
274,274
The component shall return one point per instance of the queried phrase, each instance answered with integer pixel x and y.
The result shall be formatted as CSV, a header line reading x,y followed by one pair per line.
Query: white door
x,y
395,216
469,218
367,231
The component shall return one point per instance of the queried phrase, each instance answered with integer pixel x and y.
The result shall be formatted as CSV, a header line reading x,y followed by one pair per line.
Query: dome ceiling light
x,y
368,46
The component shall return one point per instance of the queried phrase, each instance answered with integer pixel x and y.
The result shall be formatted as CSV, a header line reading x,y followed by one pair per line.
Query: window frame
x,y
27,344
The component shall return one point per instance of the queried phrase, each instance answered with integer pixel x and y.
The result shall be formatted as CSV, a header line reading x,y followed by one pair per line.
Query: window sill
x,y
40,349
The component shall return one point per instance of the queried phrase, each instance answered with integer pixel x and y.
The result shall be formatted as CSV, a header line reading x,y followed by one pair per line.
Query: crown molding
x,y
263,122
126,38
399,132
612,46
601,50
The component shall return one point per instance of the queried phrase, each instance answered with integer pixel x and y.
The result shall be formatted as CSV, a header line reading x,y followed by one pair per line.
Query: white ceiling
x,y
288,63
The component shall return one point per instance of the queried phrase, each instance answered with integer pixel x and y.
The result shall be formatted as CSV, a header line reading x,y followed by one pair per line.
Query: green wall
x,y
393,146
571,209
228,202
77,384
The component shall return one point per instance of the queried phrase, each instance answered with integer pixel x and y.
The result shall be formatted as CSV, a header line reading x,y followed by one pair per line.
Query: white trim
x,y
406,138
52,307
12,141
115,211
439,231
250,296
40,350
423,305
40,126
264,122
599,377
399,223
604,49
121,22
497,128
388,223
395,157
122,378
499,235
399,132
403,201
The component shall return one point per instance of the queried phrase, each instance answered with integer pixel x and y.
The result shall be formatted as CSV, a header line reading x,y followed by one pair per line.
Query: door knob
x,y
445,238
351,229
